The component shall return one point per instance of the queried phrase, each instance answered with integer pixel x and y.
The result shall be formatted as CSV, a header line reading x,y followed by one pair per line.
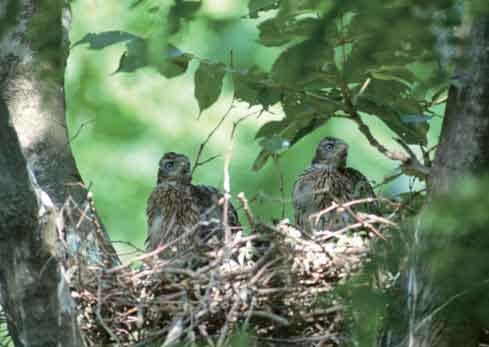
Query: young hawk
x,y
176,206
328,179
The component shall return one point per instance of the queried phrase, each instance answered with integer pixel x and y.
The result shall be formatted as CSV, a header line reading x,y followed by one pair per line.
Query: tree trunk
x,y
462,151
35,295
43,196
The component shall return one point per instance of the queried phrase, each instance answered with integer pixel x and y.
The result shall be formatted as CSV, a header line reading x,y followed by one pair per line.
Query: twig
x,y
229,317
272,316
78,131
410,163
227,178
276,159
365,223
99,312
249,215
197,161
154,252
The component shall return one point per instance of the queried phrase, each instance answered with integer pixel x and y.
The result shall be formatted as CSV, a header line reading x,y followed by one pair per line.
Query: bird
x,y
328,179
176,206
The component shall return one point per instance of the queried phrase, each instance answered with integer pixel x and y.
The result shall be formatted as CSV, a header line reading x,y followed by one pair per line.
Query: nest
x,y
279,289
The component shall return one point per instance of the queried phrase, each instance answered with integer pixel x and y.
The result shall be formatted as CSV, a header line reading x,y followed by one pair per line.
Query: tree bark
x,y
464,140
462,151
47,221
35,295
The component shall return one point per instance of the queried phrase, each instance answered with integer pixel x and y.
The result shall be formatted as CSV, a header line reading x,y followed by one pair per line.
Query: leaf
x,y
134,57
277,31
290,65
208,84
257,6
181,10
305,62
271,33
415,118
174,62
105,39
271,128
274,144
185,9
411,133
253,87
279,135
261,160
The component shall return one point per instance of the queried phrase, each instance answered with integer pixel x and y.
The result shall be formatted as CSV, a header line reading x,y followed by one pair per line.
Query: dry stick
x,y
298,339
154,252
99,312
365,224
227,178
246,207
276,159
271,316
225,328
335,205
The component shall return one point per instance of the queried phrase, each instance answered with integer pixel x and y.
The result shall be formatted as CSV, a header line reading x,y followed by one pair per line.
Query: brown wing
x,y
316,189
207,199
361,188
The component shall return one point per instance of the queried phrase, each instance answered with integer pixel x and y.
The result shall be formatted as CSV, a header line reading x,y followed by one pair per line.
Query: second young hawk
x,y
328,179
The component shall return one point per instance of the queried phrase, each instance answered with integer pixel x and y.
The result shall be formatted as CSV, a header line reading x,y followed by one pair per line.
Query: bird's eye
x,y
329,146
168,165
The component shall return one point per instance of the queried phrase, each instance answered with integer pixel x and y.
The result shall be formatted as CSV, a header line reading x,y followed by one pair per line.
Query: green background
x,y
121,124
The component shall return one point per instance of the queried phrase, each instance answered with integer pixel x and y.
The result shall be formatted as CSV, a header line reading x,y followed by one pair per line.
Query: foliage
x,y
335,61
454,238
447,238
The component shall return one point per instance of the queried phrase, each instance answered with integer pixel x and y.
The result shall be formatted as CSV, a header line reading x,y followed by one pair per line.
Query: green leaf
x,y
393,73
305,62
257,6
271,128
105,39
174,61
208,84
181,10
271,33
290,65
277,31
416,118
279,135
409,132
274,144
134,57
186,9
254,88
261,160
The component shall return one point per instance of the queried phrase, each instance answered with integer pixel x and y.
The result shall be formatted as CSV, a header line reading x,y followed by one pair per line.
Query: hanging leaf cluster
x,y
373,58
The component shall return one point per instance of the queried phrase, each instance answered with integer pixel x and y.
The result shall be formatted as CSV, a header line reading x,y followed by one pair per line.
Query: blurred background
x,y
121,124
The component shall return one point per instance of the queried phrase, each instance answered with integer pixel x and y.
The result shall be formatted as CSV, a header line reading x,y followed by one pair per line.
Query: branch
x,y
409,162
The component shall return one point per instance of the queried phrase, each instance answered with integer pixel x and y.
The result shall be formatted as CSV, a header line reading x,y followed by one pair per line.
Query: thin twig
x,y
99,312
249,215
276,159
197,161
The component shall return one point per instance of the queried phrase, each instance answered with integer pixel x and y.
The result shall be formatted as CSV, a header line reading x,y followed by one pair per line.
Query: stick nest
x,y
280,289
